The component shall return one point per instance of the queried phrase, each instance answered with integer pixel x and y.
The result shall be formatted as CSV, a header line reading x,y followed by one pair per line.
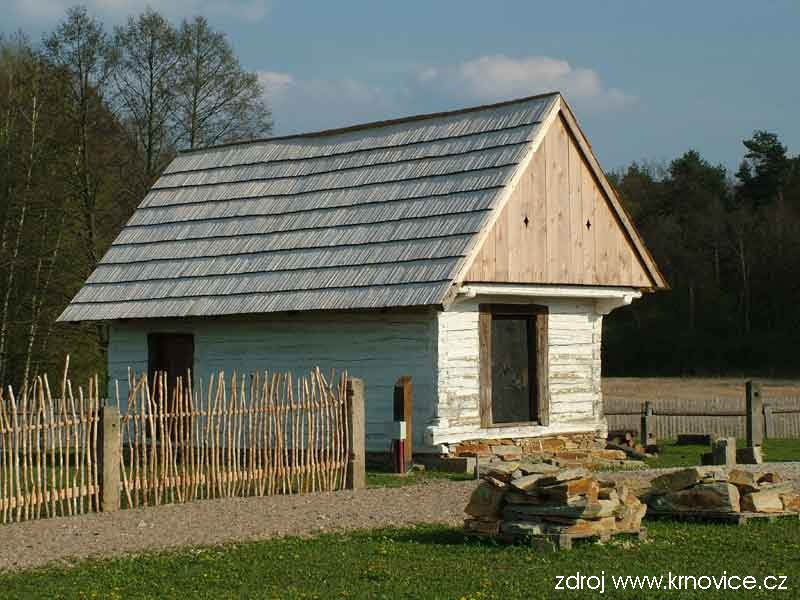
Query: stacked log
x,y
699,490
515,501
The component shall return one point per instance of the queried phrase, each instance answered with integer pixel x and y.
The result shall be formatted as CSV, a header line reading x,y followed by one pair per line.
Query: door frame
x,y
538,367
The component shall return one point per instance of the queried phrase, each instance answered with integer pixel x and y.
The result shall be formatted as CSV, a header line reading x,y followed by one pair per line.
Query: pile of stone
x,y
515,501
700,490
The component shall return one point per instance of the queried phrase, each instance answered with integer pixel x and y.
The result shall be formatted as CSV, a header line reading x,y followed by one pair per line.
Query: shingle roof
x,y
380,215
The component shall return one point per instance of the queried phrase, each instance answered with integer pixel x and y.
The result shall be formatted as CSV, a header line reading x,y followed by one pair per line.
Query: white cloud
x,y
47,10
311,104
276,84
499,77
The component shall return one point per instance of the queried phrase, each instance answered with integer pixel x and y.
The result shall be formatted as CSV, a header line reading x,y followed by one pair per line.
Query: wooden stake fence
x,y
48,451
244,436
71,453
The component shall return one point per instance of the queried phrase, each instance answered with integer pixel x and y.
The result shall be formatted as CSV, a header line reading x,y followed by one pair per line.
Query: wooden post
x,y
109,456
769,424
755,411
648,425
357,462
403,409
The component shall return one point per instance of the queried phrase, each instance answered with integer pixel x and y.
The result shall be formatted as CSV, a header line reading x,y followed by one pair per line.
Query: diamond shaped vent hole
x,y
525,220
588,224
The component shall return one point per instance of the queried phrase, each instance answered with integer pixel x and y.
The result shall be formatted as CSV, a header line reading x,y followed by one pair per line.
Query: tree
x,y
86,124
764,170
79,47
145,82
218,101
34,215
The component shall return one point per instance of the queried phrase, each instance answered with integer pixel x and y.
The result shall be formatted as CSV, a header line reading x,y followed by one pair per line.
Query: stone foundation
x,y
564,450
565,442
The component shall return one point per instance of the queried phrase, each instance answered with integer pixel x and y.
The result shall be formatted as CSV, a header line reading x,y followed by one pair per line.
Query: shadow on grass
x,y
438,535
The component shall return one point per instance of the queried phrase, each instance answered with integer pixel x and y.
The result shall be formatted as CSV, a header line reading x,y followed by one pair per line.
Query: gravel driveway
x,y
66,539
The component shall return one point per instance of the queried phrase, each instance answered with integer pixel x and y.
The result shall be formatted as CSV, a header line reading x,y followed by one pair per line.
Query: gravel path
x,y
63,540
790,471
67,539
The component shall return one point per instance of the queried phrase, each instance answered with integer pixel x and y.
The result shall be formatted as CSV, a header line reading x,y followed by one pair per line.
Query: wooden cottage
x,y
476,251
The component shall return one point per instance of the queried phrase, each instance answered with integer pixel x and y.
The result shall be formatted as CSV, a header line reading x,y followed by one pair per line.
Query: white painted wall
x,y
376,347
574,338
438,349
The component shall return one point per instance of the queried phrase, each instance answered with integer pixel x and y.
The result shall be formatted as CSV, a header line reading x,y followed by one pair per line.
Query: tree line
x,y
730,250
89,117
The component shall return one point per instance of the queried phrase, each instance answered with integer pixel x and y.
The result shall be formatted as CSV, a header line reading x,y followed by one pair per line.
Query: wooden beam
x,y
403,411
543,368
485,358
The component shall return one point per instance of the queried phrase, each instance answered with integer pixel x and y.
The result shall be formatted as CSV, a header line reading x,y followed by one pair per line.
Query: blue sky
x,y
648,80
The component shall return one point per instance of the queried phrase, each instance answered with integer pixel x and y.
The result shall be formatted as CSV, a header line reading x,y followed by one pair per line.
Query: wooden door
x,y
513,369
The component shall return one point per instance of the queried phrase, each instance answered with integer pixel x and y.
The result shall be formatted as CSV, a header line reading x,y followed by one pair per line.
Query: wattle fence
x,y
48,465
71,452
248,436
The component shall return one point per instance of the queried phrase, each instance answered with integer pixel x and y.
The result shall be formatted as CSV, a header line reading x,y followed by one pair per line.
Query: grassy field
x,y
384,479
672,455
426,562
653,388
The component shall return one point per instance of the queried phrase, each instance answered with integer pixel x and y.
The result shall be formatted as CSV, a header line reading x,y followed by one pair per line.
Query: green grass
x,y
425,562
672,455
384,479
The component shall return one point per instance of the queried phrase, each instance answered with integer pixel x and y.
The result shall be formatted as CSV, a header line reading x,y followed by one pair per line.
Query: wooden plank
x,y
404,411
558,239
542,367
485,358
516,230
502,246
356,472
576,272
536,251
588,226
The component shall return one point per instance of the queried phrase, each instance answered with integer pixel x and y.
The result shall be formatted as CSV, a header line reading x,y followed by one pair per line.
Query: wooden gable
x,y
561,226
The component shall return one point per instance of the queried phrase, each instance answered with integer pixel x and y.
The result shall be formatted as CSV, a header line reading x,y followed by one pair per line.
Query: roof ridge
x,y
371,124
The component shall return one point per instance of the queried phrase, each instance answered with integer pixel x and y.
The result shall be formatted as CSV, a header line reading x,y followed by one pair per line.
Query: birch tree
x,y
145,81
218,101
80,48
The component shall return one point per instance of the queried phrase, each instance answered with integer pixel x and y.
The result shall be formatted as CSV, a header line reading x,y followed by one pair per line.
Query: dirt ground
x,y
68,539
206,523
655,388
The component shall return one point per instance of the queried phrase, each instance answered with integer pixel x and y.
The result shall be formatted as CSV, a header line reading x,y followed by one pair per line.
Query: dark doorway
x,y
513,368
513,364
172,353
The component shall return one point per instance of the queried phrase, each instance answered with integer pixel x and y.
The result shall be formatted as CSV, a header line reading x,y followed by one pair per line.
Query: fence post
x,y
769,424
357,461
648,425
403,412
109,450
755,411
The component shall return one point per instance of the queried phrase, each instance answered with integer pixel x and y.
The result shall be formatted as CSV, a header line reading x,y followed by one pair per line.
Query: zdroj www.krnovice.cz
x,y
670,581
